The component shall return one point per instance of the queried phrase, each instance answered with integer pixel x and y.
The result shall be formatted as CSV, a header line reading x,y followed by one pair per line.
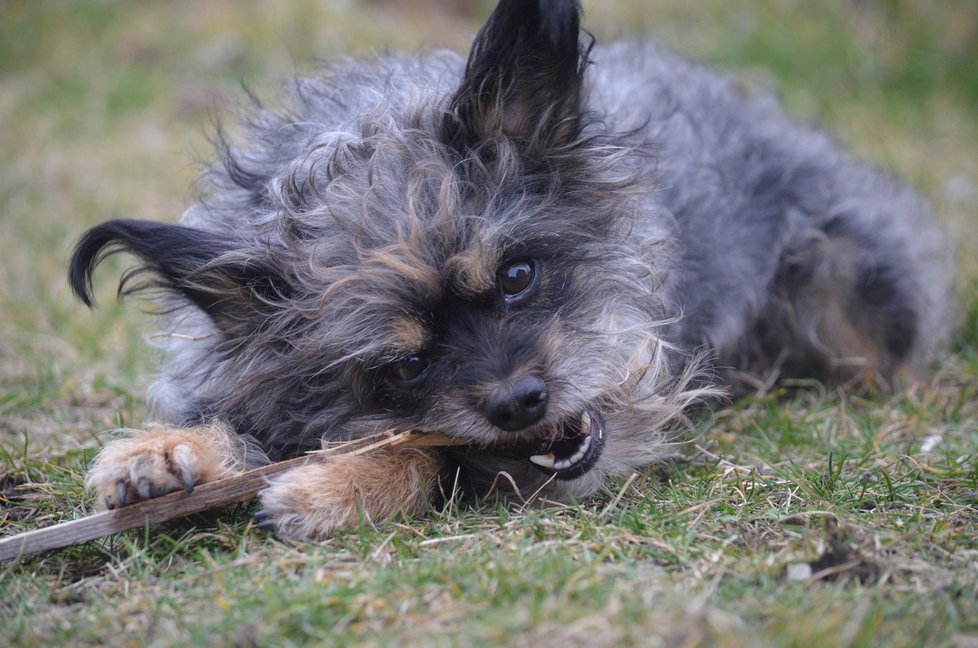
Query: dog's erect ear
x,y
235,285
523,78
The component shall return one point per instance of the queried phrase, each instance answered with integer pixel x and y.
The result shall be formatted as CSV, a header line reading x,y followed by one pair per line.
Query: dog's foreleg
x,y
311,502
161,460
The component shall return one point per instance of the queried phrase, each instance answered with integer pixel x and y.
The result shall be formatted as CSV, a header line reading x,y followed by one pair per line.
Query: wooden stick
x,y
216,494
223,492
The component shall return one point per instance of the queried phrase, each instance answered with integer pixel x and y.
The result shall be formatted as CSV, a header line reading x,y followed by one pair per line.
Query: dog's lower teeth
x,y
550,461
547,460
581,451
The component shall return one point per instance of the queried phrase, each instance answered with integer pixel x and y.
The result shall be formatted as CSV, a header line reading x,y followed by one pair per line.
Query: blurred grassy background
x,y
105,111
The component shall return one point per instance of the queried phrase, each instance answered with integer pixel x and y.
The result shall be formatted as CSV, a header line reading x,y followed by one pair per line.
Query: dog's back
x,y
795,260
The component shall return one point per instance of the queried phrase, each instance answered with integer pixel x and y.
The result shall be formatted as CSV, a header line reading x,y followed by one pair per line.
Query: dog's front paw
x,y
308,503
161,461
311,502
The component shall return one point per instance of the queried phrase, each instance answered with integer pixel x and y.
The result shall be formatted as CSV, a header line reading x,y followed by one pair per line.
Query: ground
x,y
799,518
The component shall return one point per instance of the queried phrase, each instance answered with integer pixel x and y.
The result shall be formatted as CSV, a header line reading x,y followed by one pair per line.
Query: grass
x,y
802,518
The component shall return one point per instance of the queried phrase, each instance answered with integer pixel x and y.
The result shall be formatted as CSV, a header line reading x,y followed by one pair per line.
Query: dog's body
x,y
548,263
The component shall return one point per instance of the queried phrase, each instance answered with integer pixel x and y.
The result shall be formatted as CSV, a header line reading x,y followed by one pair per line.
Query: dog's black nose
x,y
514,406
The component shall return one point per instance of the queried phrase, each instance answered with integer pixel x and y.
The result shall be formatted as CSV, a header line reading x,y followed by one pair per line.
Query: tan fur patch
x,y
408,335
311,502
473,270
161,460
402,261
820,312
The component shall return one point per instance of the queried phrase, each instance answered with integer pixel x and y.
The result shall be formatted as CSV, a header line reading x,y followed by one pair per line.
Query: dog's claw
x,y
187,479
120,493
142,487
263,520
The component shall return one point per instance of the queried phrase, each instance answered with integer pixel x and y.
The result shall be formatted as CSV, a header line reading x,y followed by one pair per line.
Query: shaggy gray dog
x,y
549,251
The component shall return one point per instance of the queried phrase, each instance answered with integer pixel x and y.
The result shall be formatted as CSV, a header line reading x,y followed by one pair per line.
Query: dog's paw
x,y
308,503
314,501
161,461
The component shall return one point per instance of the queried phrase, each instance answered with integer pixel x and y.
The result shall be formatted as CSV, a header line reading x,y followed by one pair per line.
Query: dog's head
x,y
429,247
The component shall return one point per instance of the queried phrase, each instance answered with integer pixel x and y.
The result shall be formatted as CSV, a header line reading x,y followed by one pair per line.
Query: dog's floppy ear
x,y
235,285
523,78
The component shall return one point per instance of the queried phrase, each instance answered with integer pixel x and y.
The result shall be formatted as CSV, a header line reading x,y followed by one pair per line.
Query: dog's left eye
x,y
516,278
409,368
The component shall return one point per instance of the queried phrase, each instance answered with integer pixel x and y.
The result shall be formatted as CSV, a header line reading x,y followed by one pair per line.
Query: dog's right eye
x,y
515,278
408,368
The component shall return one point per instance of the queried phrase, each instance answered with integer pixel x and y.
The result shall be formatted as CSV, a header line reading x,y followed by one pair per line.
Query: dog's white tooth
x,y
585,423
577,456
563,463
584,447
547,460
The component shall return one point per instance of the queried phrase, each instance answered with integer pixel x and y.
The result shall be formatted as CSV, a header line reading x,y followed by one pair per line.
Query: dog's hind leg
x,y
843,307
155,462
310,502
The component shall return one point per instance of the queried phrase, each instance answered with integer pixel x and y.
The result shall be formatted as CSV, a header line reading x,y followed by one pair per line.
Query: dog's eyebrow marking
x,y
408,335
472,271
403,262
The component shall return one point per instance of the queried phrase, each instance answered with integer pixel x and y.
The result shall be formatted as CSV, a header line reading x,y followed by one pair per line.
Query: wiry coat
x,y
683,237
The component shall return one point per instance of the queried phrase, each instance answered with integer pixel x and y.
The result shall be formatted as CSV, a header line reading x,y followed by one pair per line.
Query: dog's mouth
x,y
575,450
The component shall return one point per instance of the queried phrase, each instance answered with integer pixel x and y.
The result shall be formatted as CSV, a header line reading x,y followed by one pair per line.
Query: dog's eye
x,y
408,368
516,278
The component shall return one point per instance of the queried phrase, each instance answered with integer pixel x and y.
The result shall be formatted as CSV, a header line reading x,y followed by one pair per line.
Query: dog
x,y
549,251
